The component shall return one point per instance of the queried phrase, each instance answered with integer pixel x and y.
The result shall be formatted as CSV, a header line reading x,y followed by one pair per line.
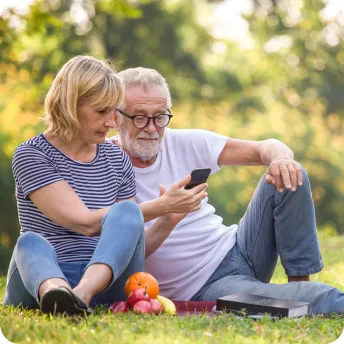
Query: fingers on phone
x,y
181,183
199,188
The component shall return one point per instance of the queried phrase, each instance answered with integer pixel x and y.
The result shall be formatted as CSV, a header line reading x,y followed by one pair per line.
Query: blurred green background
x,y
250,69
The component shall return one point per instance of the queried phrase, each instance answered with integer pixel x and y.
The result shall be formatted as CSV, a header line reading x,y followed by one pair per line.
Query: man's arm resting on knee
x,y
283,170
253,153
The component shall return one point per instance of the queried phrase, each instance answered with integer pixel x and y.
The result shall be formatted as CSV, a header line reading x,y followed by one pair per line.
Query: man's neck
x,y
137,162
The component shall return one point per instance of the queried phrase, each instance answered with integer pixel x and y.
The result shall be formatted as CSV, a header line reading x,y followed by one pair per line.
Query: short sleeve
x,y
127,187
201,148
32,169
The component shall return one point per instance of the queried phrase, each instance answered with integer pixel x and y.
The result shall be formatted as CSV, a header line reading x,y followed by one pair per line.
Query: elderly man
x,y
201,258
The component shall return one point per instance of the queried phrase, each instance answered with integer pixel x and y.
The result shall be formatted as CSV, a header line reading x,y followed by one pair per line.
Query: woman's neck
x,y
75,149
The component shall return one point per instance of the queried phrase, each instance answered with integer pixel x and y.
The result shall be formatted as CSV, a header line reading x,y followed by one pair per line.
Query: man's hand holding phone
x,y
198,177
179,199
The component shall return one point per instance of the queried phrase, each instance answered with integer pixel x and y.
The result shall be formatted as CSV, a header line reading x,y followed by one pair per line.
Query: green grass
x,y
20,326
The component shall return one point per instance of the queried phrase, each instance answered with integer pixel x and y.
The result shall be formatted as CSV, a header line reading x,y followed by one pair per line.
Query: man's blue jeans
x,y
121,246
275,224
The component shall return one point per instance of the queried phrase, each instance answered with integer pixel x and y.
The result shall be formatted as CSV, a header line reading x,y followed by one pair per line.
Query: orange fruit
x,y
142,280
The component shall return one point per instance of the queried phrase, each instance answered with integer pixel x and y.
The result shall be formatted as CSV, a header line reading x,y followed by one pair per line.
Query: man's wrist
x,y
281,158
272,150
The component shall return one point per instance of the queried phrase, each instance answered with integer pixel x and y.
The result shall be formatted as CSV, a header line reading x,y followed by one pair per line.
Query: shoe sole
x,y
59,301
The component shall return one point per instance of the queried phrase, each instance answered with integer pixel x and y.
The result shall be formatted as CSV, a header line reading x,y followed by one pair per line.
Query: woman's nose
x,y
110,121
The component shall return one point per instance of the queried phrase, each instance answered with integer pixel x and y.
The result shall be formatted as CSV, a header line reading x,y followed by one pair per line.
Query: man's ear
x,y
116,119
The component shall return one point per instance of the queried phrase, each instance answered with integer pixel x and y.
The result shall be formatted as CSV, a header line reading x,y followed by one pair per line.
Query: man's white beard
x,y
142,149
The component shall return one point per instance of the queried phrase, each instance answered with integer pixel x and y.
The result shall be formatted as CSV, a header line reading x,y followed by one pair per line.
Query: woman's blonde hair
x,y
83,79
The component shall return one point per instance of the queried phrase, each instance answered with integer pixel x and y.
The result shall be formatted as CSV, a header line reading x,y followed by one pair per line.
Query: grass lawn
x,y
20,326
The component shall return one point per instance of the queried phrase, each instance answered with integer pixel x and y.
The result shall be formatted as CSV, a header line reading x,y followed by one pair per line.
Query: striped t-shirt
x,y
99,183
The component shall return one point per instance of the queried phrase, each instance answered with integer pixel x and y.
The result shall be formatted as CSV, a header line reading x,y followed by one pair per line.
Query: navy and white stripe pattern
x,y
37,163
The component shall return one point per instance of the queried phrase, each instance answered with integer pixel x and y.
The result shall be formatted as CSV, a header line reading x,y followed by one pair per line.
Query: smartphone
x,y
198,176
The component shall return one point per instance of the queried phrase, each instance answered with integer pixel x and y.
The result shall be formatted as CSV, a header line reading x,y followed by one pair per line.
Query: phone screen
x,y
198,176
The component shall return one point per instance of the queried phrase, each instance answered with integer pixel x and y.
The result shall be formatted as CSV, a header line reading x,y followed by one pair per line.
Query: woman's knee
x,y
33,242
28,239
129,214
129,207
134,214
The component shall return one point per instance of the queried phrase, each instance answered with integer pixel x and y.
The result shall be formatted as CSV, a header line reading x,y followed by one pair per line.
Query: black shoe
x,y
62,300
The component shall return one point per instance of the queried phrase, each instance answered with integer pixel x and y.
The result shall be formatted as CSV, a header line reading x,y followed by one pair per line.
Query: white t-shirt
x,y
198,244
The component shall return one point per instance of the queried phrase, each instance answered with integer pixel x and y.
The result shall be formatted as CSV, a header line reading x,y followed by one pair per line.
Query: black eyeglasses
x,y
141,121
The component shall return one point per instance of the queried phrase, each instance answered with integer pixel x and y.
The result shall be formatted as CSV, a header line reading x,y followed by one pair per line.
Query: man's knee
x,y
305,181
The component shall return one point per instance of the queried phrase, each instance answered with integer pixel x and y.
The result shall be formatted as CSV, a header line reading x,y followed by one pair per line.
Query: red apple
x,y
142,307
119,307
136,295
156,306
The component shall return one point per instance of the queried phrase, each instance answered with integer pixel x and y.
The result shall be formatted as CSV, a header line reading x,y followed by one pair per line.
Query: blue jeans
x,y
121,246
275,224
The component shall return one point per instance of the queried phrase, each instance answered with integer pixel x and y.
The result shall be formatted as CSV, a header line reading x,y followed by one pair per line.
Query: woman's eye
x,y
104,110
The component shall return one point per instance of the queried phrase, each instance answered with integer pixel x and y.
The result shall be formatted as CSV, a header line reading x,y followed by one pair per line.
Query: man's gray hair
x,y
145,78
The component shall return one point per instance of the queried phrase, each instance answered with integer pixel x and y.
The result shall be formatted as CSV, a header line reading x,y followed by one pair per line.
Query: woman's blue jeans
x,y
120,246
275,224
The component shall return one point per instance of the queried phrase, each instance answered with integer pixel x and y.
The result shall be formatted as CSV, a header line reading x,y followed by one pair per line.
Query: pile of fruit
x,y
142,291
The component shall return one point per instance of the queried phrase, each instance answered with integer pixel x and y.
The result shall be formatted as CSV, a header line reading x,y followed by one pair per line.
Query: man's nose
x,y
151,128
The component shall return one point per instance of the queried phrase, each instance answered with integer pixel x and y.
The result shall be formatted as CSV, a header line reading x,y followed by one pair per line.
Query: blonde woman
x,y
81,231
